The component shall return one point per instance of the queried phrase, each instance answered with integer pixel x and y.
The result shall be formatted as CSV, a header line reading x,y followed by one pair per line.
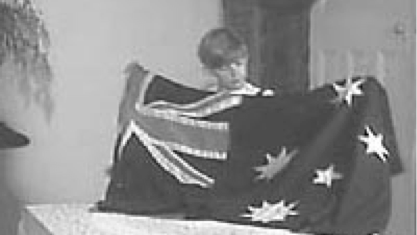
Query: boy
x,y
225,57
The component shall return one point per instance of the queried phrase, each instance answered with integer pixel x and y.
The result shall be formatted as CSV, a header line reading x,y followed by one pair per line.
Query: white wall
x,y
91,43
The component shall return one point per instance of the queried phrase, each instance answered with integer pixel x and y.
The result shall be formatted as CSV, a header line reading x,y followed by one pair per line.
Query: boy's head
x,y
225,54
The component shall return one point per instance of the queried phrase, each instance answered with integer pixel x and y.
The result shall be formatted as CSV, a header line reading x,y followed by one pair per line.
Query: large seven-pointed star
x,y
347,91
327,176
274,164
271,212
374,144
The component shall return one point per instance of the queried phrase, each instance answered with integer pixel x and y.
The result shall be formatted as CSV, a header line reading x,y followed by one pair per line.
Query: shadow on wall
x,y
10,207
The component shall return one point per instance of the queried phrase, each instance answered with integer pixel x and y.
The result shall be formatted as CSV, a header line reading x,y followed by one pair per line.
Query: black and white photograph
x,y
188,117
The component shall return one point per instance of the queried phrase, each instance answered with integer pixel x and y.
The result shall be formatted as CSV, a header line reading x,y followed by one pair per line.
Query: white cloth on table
x,y
76,219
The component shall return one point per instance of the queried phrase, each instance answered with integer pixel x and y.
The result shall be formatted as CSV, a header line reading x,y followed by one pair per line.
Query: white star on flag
x,y
271,212
374,144
327,176
347,91
274,164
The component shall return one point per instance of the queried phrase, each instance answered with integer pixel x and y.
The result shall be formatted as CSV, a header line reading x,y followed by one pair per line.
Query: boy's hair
x,y
221,47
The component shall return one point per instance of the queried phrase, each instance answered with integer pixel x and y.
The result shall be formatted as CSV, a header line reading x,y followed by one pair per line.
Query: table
x,y
76,219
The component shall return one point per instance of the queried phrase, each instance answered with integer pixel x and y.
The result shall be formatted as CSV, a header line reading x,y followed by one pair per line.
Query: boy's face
x,y
233,77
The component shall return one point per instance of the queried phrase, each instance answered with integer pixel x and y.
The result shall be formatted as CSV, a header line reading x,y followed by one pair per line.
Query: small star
x,y
271,212
327,176
374,144
275,164
347,91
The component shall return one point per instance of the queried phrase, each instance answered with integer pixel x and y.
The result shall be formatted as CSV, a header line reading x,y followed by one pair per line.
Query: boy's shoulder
x,y
249,89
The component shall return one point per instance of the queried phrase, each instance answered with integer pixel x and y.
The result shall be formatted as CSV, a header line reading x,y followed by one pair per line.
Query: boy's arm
x,y
135,74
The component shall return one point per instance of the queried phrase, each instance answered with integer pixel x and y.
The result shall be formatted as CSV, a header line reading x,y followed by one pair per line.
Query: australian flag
x,y
318,162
